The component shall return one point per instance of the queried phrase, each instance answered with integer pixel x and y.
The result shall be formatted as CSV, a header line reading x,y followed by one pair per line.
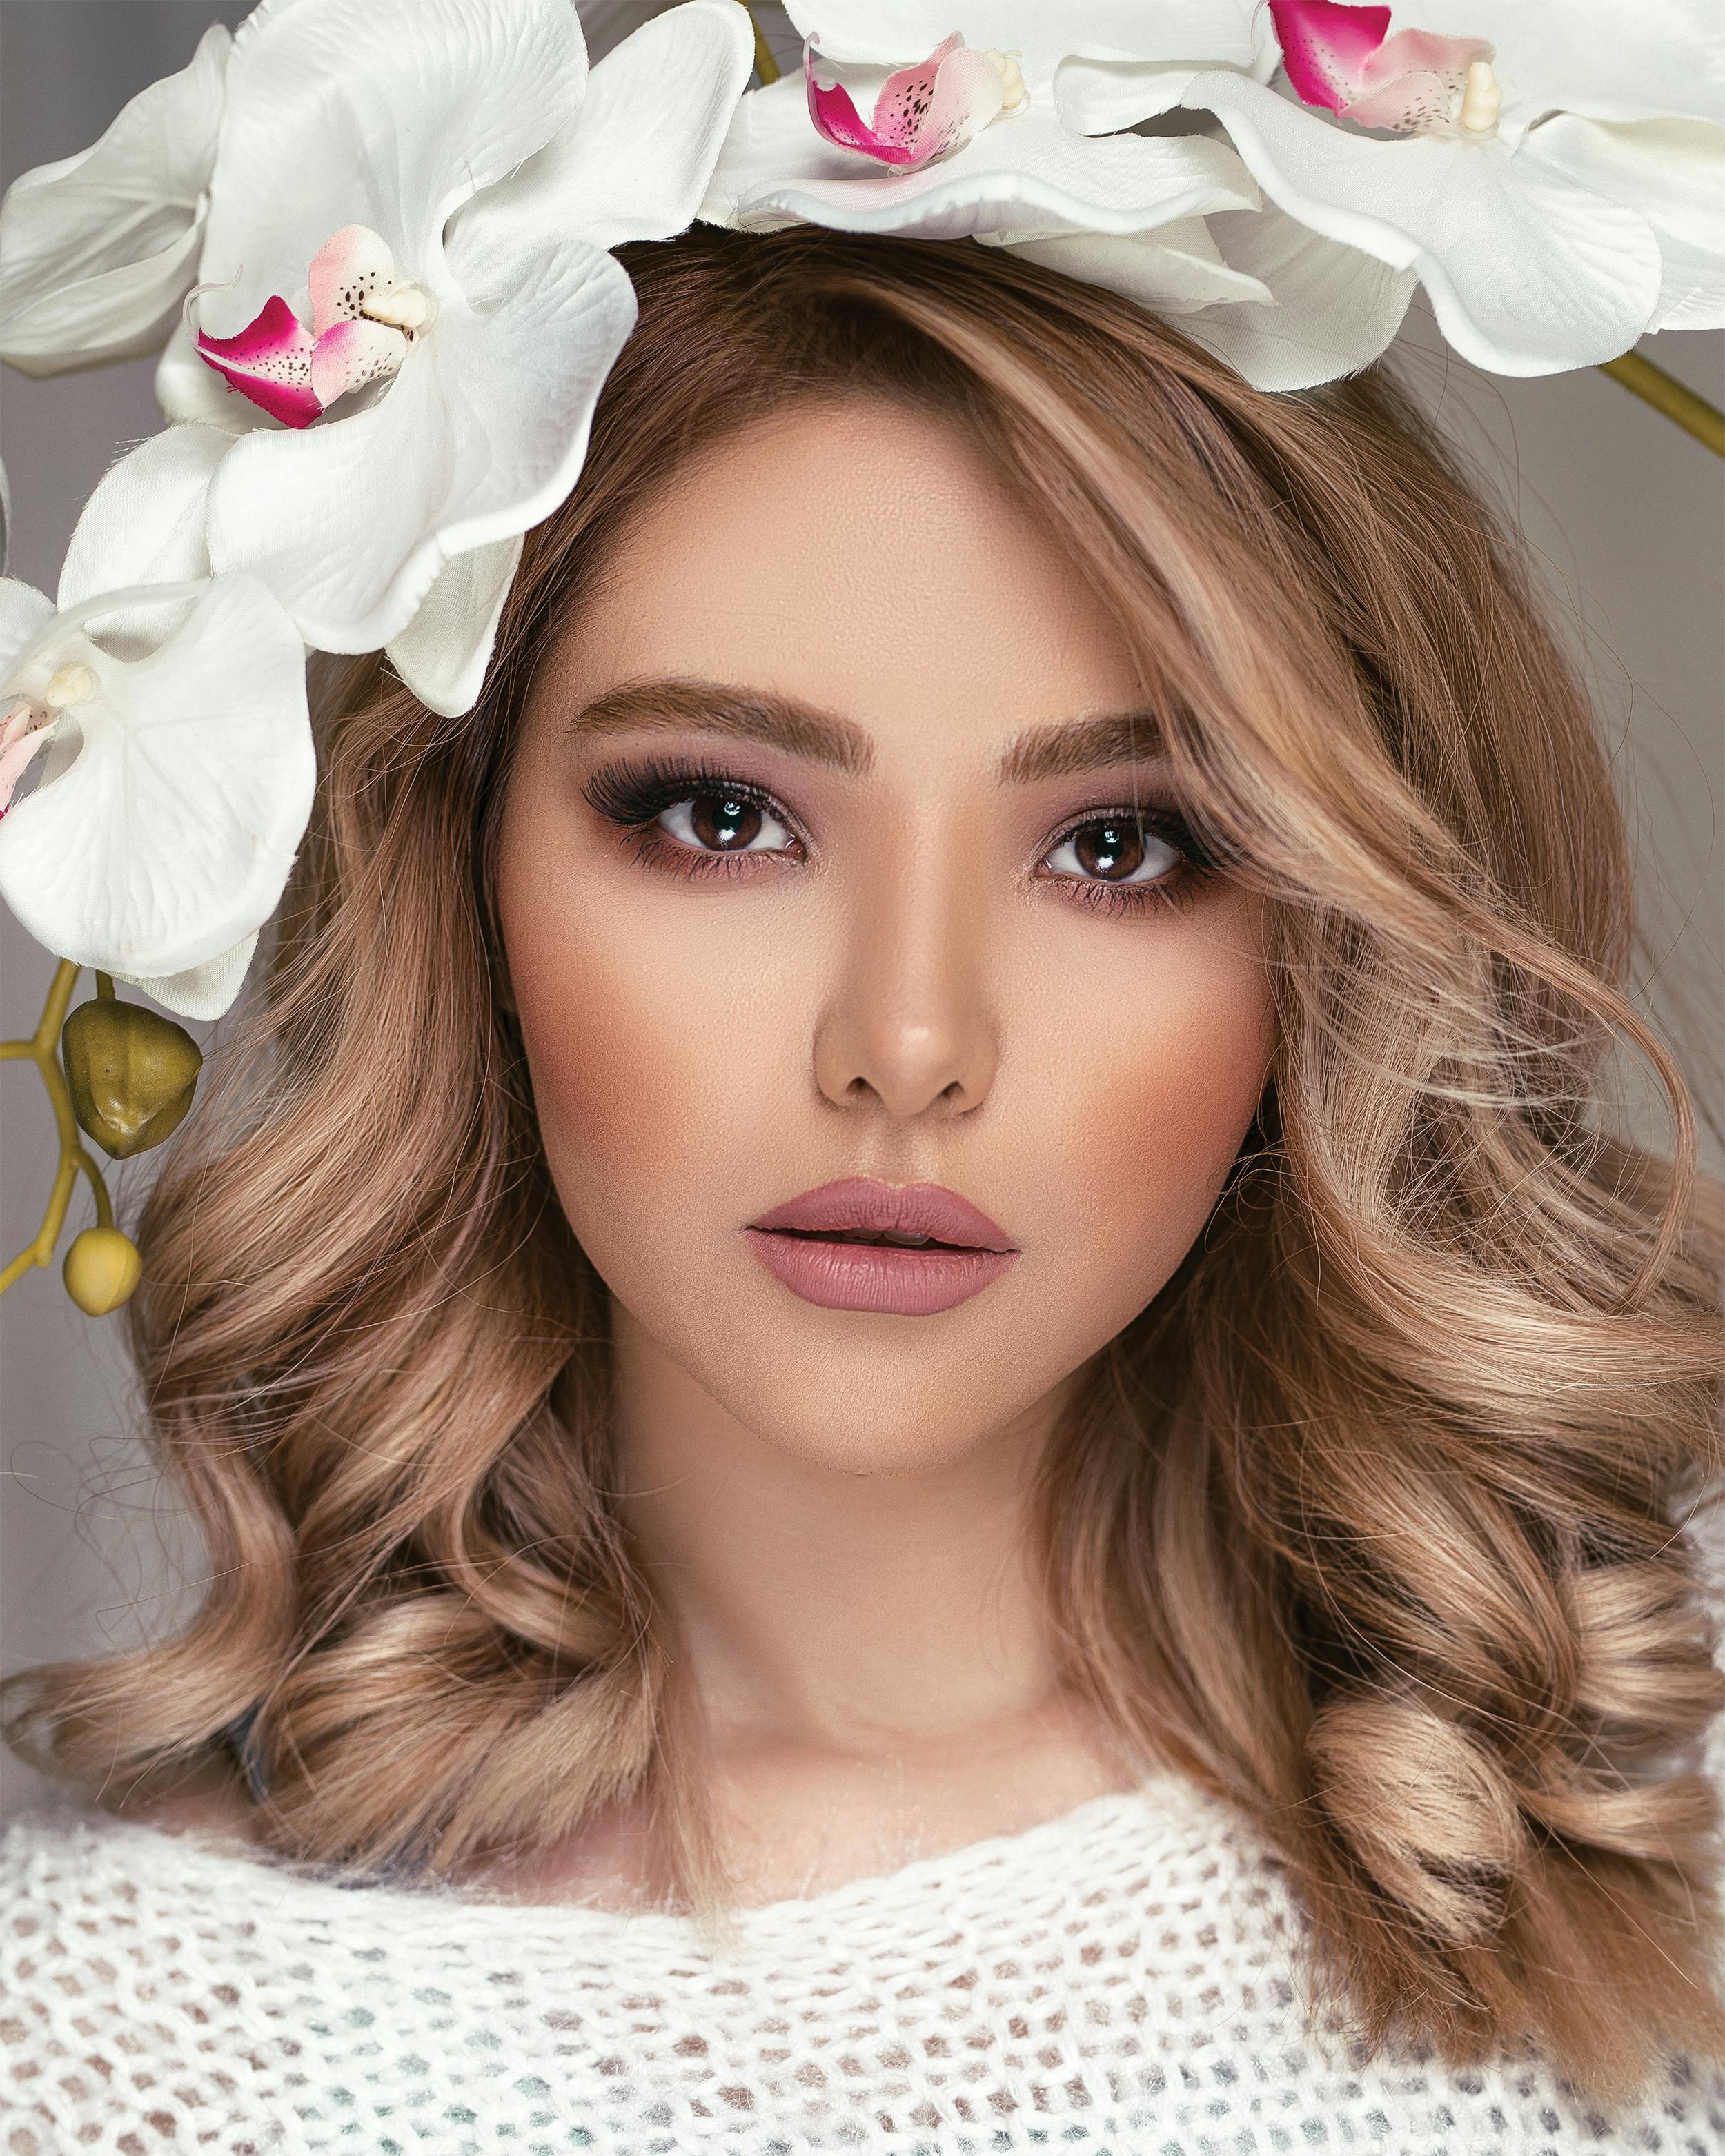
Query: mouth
x,y
904,1250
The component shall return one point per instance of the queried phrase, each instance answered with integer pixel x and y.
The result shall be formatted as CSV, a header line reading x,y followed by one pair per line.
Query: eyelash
x,y
634,796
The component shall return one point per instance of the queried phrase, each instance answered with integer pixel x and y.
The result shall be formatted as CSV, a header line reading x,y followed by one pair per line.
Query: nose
x,y
908,1022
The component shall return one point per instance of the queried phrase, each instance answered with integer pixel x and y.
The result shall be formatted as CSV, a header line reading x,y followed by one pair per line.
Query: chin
x,y
862,1393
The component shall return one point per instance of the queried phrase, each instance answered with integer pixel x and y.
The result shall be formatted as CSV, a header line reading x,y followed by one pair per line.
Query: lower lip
x,y
897,1283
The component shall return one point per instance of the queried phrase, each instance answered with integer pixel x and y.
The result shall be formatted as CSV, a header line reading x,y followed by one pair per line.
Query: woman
x,y
1198,1653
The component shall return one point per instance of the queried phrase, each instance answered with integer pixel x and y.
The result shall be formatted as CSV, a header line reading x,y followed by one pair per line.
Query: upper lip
x,y
860,1203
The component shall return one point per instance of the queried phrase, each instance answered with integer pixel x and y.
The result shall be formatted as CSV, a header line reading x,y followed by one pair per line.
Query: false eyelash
x,y
1158,817
634,795
1177,890
1198,865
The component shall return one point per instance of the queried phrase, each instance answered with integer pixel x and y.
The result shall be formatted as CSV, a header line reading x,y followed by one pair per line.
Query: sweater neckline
x,y
1163,1807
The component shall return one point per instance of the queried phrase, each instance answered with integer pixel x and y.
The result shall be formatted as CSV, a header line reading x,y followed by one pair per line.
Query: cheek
x,y
1147,1110
654,1048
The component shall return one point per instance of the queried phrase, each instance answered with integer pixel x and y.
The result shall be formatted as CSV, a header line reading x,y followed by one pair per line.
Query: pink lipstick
x,y
903,1250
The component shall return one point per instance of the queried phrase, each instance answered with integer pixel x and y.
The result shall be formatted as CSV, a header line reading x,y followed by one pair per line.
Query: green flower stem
x,y
765,65
42,1049
1666,394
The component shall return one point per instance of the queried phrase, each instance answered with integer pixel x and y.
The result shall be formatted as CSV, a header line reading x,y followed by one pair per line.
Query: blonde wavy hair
x,y
1373,1521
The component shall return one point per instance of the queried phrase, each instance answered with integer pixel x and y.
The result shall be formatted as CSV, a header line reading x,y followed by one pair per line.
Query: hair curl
x,y
1373,1520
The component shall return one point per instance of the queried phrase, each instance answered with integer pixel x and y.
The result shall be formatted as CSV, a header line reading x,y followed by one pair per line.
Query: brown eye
x,y
723,824
1114,849
721,820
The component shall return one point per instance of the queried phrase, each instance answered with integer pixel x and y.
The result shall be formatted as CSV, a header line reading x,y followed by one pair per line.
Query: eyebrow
x,y
1081,744
1062,750
746,714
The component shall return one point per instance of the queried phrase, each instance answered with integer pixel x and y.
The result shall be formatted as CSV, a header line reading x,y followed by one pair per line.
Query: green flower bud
x,y
102,1269
132,1074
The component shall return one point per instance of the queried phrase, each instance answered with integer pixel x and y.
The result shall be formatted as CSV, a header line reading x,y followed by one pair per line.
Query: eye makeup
x,y
634,794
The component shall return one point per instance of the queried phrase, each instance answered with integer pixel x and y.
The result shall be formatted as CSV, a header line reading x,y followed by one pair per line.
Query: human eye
x,y
692,819
1126,860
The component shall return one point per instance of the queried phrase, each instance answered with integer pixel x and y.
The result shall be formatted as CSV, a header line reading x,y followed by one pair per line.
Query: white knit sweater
x,y
1122,1981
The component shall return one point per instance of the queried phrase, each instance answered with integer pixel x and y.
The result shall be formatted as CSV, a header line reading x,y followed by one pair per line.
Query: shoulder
x,y
74,1880
44,1856
74,1869
1250,2041
115,1952
41,1851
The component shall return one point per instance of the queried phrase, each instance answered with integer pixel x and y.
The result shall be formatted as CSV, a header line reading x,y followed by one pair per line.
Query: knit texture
x,y
1122,1981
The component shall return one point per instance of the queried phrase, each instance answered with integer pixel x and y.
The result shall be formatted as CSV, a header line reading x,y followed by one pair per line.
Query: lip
x,y
874,1277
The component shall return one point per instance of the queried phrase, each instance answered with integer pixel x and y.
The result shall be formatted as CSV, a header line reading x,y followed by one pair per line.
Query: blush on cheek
x,y
1155,1136
602,1083
659,1073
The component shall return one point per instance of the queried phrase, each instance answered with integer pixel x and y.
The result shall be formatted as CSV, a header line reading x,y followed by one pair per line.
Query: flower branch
x,y
42,1049
1666,394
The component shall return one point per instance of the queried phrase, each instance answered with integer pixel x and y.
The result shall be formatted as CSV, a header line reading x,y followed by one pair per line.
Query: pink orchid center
x,y
29,719
1342,57
921,112
364,319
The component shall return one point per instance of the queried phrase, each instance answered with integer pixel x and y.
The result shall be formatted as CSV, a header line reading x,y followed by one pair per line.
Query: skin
x,y
900,981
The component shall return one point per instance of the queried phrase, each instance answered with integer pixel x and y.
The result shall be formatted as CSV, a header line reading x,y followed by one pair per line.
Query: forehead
x,y
862,558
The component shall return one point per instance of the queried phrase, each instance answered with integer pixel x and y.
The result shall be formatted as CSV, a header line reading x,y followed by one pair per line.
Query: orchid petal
x,y
602,180
191,393
1413,81
5,518
1102,97
24,613
201,992
1029,174
97,251
443,653
344,112
922,111
269,362
480,436
607,23
345,271
1592,57
1528,274
1325,45
1040,33
1332,310
163,830
16,756
349,354
1672,172
144,524
1176,270
258,20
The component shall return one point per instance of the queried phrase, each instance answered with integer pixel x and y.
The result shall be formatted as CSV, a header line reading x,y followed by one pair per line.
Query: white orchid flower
x,y
405,277
175,782
962,130
98,251
962,137
1553,175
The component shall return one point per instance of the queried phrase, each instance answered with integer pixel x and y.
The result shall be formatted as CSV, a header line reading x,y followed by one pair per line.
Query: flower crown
x,y
372,242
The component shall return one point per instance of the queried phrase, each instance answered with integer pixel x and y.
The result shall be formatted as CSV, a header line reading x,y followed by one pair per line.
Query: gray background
x,y
1625,516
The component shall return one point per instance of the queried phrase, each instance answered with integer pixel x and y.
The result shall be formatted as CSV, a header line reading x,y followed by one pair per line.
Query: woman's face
x,y
834,854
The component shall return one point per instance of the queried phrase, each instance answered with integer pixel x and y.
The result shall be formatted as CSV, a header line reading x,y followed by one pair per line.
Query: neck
x,y
812,1606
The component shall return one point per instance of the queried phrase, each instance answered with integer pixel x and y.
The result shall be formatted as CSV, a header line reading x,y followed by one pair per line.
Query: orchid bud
x,y
102,1269
132,1074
